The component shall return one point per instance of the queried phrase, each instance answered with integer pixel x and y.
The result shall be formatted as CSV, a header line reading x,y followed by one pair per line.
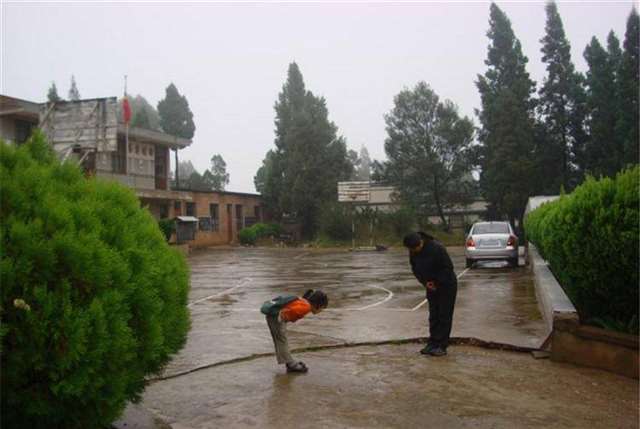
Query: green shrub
x,y
93,298
250,235
335,222
168,227
590,238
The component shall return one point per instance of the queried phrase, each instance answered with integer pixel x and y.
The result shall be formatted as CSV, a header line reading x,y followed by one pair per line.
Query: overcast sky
x,y
231,60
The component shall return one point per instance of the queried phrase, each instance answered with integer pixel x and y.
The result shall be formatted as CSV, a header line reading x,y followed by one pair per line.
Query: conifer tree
x,y
603,152
52,95
562,107
364,165
176,119
627,124
74,94
301,174
141,119
507,122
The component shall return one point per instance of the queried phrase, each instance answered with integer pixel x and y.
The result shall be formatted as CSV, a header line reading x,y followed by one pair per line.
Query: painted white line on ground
x,y
224,292
425,300
389,296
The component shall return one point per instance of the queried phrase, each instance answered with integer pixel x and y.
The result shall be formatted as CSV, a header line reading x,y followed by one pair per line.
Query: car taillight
x,y
511,241
471,243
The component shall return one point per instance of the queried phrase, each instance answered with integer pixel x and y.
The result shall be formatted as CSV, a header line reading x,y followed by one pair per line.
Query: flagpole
x,y
126,134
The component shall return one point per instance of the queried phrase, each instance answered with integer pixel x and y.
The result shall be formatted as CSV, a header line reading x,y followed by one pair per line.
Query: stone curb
x,y
554,303
471,341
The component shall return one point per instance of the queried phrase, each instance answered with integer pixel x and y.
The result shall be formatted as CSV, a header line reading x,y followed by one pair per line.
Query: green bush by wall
x,y
250,235
590,238
168,227
93,298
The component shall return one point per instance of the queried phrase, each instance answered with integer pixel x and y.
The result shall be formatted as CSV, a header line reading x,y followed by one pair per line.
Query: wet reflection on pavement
x,y
373,297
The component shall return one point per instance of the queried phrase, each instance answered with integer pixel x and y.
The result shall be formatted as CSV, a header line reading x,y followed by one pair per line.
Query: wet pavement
x,y
221,380
373,297
393,386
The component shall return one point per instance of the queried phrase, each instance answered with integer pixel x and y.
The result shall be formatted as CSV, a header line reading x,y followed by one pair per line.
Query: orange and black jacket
x,y
295,310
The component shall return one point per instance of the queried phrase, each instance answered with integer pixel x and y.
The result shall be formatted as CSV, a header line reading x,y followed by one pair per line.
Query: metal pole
x,y
177,176
353,228
371,232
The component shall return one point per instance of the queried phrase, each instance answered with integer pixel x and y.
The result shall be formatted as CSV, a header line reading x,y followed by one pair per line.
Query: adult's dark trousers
x,y
441,304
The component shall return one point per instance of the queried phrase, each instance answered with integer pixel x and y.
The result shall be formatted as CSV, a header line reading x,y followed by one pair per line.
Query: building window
x,y
191,209
177,208
257,211
214,212
204,223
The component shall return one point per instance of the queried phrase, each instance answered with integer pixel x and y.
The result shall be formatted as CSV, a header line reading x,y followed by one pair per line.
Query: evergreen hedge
x,y
591,239
92,298
250,235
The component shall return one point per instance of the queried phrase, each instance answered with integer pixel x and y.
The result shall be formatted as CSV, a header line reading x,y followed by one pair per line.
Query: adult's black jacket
x,y
432,263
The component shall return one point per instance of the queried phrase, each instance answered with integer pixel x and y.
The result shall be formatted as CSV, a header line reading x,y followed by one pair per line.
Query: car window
x,y
491,228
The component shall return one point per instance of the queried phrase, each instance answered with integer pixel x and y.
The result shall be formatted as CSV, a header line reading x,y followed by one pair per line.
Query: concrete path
x,y
395,387
373,297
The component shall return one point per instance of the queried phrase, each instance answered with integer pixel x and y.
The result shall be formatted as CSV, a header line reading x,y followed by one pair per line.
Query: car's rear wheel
x,y
513,262
469,262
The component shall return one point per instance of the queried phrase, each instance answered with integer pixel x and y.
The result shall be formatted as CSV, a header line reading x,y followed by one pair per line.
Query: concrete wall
x,y
573,342
597,348
553,301
131,180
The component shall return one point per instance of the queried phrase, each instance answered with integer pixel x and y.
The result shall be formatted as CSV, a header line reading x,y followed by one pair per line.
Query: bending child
x,y
290,308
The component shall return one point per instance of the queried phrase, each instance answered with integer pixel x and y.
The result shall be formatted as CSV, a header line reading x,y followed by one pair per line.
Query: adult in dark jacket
x,y
433,268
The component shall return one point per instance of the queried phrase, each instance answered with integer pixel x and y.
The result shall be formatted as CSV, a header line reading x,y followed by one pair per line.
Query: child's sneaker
x,y
297,367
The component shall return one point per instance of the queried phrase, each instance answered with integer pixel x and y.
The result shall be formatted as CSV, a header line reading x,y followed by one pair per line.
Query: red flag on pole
x,y
126,110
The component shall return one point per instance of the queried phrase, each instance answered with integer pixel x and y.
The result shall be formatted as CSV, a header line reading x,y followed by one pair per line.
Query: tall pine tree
x,y
603,150
74,94
628,82
363,171
300,176
562,108
507,122
52,95
268,182
176,119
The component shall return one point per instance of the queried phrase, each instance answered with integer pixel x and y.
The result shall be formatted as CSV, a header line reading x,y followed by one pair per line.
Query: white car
x,y
489,241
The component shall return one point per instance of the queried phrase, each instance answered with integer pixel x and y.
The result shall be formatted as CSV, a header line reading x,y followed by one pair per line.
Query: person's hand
x,y
430,286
